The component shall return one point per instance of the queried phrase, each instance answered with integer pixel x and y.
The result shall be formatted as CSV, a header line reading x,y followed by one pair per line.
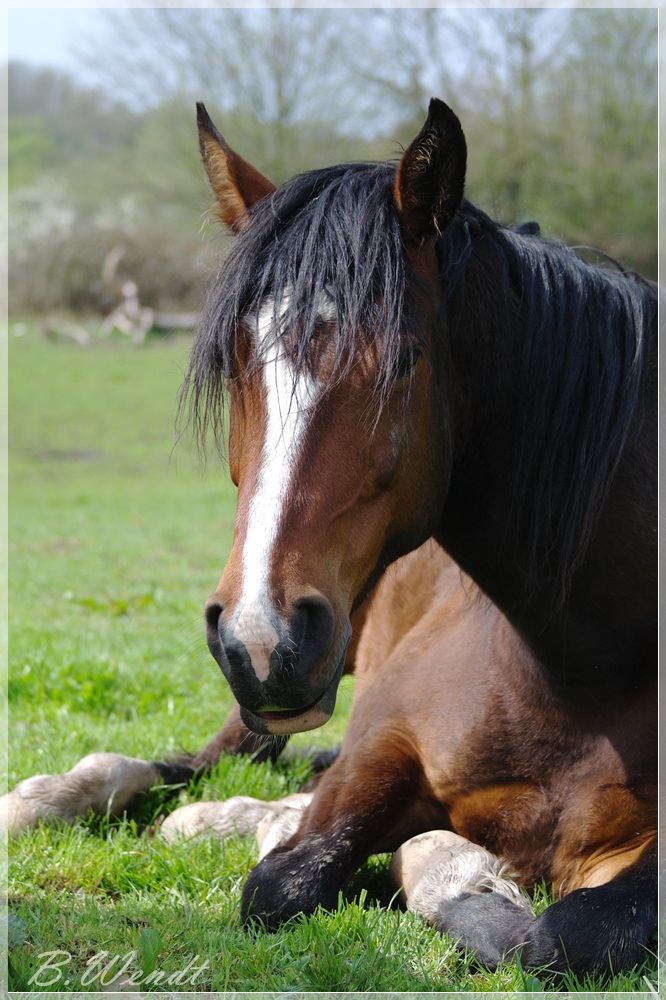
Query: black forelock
x,y
327,233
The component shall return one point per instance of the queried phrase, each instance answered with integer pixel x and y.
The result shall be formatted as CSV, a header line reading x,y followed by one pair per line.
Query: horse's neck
x,y
590,645
603,635
505,462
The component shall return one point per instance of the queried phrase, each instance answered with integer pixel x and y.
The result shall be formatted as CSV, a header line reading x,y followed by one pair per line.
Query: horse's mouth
x,y
286,721
279,714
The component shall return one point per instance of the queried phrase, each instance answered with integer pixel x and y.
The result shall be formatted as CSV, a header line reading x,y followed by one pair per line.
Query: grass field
x,y
115,542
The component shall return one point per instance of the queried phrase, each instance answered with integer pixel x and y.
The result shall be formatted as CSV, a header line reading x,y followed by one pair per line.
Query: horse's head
x,y
319,333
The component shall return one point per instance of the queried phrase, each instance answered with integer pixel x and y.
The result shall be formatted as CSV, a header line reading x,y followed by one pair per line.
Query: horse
x,y
398,367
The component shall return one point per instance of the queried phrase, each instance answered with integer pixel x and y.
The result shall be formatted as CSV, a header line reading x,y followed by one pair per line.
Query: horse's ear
x,y
235,182
431,175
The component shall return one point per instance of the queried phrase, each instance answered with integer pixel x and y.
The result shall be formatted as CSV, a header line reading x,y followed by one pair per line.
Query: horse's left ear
x,y
431,175
237,185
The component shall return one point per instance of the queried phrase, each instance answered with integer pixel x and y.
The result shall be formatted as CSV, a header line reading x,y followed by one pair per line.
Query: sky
x,y
45,36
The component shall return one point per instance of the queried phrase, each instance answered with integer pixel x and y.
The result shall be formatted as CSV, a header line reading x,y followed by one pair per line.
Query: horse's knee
x,y
441,865
593,931
349,818
598,931
292,880
584,932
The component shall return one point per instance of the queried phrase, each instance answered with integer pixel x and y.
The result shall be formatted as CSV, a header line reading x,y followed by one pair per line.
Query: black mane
x,y
582,350
582,338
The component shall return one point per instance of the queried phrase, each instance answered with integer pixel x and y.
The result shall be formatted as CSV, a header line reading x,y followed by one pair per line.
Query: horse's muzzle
x,y
292,686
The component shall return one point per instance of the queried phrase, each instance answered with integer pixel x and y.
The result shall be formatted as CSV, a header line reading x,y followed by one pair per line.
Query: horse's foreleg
x,y
354,813
594,931
100,783
440,867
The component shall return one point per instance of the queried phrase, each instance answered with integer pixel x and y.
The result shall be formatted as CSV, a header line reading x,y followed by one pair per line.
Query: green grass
x,y
115,542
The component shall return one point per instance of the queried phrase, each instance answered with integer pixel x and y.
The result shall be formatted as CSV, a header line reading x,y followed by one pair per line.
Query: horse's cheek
x,y
423,480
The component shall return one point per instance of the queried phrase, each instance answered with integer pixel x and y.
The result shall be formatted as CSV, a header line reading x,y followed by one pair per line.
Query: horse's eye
x,y
406,362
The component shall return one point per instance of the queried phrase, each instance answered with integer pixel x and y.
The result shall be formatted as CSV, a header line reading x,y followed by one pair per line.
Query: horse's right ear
x,y
235,182
431,175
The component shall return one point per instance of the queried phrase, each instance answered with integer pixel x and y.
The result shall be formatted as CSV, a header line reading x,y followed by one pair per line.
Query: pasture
x,y
116,539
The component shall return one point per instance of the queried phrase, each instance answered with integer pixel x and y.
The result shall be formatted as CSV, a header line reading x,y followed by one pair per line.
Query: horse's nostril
x,y
313,626
212,613
237,658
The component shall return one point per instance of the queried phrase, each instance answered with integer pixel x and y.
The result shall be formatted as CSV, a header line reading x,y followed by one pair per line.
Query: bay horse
x,y
398,367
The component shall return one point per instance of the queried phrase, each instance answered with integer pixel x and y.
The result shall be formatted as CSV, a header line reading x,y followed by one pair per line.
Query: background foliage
x,y
559,107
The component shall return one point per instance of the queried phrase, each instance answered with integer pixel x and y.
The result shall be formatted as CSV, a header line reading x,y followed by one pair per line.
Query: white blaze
x,y
289,401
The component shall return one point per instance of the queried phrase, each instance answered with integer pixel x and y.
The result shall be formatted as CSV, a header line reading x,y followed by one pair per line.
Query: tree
x,y
604,121
273,76
54,122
